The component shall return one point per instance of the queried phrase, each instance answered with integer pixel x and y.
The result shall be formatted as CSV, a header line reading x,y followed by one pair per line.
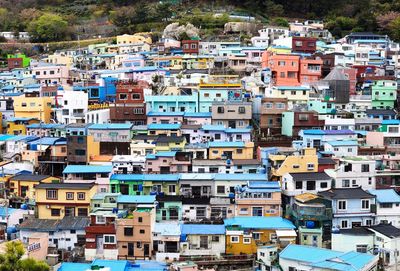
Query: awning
x,y
286,233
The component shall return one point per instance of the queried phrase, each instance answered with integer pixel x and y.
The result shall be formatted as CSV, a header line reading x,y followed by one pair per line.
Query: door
x,y
146,250
164,215
131,248
124,189
99,244
257,211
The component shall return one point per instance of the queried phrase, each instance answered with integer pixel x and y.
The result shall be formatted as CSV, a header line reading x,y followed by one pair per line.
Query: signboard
x,y
90,240
33,247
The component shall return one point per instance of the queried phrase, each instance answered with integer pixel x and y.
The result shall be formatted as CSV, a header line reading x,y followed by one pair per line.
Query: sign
x,y
34,246
90,240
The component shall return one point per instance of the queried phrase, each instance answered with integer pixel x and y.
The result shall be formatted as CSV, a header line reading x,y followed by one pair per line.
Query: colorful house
x,y
56,200
18,126
231,150
245,234
33,107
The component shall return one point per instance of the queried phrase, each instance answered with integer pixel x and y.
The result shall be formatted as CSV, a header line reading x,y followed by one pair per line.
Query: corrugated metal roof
x,y
203,229
70,169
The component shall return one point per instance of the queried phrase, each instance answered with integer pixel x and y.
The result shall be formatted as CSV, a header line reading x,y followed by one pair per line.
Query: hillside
x,y
54,20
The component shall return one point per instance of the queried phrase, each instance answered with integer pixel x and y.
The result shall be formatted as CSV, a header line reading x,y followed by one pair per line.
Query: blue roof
x,y
213,127
111,126
21,119
197,114
161,154
5,137
167,229
259,222
202,229
3,211
390,122
145,177
21,138
238,177
136,199
44,126
49,141
385,195
115,265
292,88
226,144
238,130
159,126
87,169
342,143
173,114
325,258
328,132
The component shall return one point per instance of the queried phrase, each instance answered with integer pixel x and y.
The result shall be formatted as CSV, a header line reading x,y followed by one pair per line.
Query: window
x,y
365,204
234,239
344,224
324,185
239,151
51,194
386,205
139,245
282,74
23,104
281,63
109,239
349,149
368,222
256,236
364,168
100,219
217,136
362,248
128,231
140,219
55,212
220,189
242,110
303,117
215,239
299,184
81,196
246,241
83,212
342,204
345,183
69,195
171,188
138,111
310,166
123,96
142,231
220,109
136,96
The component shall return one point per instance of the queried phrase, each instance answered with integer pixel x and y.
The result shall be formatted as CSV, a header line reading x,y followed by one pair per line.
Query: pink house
x,y
50,74
168,162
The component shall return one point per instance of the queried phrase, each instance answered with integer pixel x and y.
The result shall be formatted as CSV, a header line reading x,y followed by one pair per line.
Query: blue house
x,y
172,103
351,207
105,92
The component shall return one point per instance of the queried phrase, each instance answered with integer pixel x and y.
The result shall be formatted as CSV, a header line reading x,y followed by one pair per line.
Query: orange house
x,y
291,70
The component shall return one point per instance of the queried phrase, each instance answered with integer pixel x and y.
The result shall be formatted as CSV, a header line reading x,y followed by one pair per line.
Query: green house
x,y
384,94
127,184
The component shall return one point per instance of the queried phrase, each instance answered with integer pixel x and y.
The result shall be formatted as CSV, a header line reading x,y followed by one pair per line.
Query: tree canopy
x,y
11,259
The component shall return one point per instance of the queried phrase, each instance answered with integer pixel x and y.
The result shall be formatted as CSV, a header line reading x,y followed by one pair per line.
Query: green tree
x,y
395,29
11,259
281,22
48,27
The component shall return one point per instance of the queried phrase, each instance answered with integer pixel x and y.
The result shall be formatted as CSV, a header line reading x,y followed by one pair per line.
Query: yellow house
x,y
33,107
17,126
245,234
23,185
293,94
61,59
56,200
170,143
281,164
131,39
231,150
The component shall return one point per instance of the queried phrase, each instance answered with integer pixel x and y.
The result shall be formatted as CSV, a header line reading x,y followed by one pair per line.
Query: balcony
x,y
52,159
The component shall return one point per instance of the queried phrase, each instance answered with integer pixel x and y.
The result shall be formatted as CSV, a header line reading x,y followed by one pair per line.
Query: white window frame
x,y
234,237
101,221
69,194
369,204
246,240
341,224
338,205
110,236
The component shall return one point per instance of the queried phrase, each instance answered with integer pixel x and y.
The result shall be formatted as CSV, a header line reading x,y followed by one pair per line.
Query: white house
x,y
73,107
387,206
202,239
66,233
354,172
166,237
341,148
294,184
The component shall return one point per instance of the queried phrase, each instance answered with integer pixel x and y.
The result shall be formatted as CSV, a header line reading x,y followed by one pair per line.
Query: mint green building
x,y
384,94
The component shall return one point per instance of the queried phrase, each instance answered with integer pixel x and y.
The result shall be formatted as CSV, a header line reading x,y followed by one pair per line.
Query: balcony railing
x,y
309,214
